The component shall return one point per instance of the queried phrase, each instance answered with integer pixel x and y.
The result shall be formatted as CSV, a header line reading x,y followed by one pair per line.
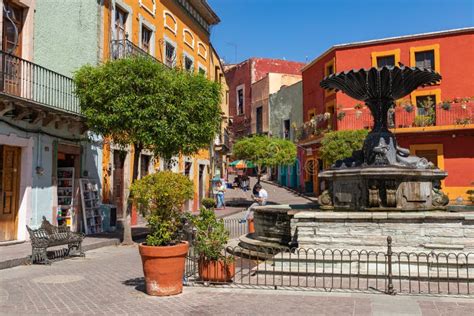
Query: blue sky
x,y
302,29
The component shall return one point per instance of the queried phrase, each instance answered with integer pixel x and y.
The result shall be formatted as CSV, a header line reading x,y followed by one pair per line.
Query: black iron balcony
x,y
29,83
125,49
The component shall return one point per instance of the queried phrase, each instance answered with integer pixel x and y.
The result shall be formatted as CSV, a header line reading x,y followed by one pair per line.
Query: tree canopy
x,y
139,101
340,144
264,151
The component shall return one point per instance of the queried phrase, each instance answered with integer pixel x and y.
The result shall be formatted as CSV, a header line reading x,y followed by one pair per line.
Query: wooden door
x,y
118,181
9,190
12,44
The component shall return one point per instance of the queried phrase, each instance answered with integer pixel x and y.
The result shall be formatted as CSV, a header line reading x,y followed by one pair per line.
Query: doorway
x,y
118,181
9,191
201,183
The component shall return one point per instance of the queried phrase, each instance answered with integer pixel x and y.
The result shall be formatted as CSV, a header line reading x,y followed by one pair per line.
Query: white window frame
x,y
201,66
191,45
205,50
144,23
187,55
240,87
173,30
128,24
152,11
173,43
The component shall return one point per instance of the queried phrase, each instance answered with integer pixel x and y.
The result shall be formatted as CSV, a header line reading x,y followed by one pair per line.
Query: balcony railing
x,y
458,114
223,140
125,49
315,128
23,79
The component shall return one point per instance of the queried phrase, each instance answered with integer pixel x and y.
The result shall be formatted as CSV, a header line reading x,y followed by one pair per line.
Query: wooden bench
x,y
49,235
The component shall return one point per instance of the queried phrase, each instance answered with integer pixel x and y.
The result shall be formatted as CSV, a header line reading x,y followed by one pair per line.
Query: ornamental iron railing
x,y
335,270
24,80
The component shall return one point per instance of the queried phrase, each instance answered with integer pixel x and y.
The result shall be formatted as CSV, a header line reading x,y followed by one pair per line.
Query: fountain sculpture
x,y
382,176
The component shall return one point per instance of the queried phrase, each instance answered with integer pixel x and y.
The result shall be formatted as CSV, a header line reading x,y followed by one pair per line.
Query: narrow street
x,y
110,281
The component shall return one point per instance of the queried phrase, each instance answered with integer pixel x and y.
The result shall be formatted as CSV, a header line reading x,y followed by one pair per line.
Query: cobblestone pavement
x,y
110,281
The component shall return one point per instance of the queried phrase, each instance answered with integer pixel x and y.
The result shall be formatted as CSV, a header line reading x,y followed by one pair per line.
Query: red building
x,y
436,122
240,78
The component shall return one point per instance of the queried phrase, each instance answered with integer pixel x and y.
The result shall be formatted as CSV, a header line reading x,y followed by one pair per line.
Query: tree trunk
x,y
127,223
259,173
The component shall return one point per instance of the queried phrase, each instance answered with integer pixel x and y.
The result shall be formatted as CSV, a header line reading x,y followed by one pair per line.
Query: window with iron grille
x,y
386,61
188,63
240,101
170,53
425,59
146,39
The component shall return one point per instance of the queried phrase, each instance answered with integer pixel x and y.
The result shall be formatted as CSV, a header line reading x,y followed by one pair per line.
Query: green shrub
x,y
340,144
159,197
208,203
211,235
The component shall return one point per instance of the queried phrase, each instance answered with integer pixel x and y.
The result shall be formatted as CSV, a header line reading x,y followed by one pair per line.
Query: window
x,y
240,101
202,71
120,22
188,63
170,54
329,70
146,39
286,129
425,59
144,165
259,120
383,61
425,104
12,29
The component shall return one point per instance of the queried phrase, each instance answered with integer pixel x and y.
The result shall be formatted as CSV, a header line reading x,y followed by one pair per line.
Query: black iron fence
x,y
124,49
23,79
336,270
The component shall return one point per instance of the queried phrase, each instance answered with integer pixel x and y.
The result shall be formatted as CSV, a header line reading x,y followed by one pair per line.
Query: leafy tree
x,y
141,103
340,144
264,151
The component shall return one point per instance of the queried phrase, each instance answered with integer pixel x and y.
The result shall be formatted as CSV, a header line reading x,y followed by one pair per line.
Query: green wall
x,y
285,104
67,34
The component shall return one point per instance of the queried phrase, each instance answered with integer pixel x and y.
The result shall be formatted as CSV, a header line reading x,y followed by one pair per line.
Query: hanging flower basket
x,y
341,115
408,108
446,106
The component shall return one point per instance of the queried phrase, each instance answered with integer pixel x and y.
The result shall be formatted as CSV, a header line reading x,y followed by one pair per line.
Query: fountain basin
x,y
382,188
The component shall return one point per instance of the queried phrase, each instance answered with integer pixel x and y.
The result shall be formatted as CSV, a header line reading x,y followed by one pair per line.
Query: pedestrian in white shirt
x,y
259,200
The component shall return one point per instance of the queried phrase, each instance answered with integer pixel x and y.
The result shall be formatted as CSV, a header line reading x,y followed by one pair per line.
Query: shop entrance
x,y
9,191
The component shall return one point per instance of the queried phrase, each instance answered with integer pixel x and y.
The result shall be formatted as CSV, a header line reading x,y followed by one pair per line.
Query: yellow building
x,y
176,33
221,147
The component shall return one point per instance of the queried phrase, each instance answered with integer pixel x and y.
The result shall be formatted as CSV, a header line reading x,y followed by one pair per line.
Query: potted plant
x,y
445,106
408,107
159,197
211,238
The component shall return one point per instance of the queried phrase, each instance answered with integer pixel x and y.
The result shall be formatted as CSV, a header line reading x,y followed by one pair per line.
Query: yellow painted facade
x,y
183,24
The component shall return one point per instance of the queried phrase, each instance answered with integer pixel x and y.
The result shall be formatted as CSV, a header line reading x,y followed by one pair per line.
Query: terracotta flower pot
x,y
163,268
216,271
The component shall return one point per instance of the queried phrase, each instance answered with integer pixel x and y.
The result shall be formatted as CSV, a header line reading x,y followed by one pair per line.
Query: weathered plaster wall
x,y
286,104
67,34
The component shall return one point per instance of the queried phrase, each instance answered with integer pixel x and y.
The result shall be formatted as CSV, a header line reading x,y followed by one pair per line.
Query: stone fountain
x,y
379,191
382,176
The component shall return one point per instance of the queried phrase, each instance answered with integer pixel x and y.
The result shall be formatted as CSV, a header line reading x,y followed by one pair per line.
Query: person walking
x,y
220,191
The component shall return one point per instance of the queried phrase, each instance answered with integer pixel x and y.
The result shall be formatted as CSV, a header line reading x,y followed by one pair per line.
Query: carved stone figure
x,y
325,198
439,198
374,196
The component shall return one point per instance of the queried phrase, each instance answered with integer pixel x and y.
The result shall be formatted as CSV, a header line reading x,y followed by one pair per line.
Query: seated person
x,y
259,200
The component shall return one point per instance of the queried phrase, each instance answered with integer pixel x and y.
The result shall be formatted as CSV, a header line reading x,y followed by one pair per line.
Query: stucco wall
x,y
67,34
286,104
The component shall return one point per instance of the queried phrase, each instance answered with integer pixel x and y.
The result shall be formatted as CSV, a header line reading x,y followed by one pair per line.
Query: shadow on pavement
x,y
138,283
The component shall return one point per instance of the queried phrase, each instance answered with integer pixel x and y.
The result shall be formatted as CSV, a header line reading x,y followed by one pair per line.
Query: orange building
x,y
176,33
436,122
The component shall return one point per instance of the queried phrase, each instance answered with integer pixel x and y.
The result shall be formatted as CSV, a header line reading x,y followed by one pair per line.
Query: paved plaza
x,y
110,281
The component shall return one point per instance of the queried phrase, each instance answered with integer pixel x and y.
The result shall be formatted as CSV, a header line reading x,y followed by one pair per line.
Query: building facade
x,y
240,78
435,122
177,34
286,112
45,149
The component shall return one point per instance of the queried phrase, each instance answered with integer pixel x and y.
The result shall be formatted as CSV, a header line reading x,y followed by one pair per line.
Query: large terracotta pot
x,y
164,268
216,271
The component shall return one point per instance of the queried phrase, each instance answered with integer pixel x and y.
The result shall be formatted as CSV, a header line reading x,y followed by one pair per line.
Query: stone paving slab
x,y
110,281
